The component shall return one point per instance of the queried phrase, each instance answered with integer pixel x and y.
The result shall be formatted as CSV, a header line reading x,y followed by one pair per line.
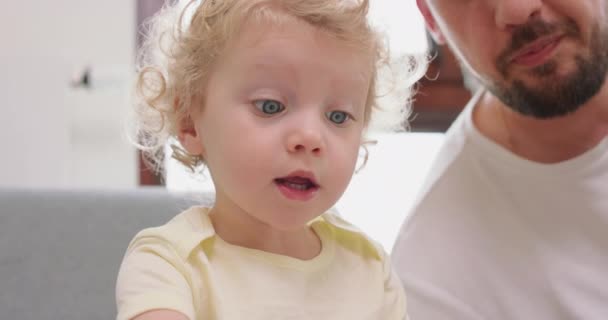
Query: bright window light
x,y
403,24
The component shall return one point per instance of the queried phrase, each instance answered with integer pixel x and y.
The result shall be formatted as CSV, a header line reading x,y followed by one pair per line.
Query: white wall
x,y
53,135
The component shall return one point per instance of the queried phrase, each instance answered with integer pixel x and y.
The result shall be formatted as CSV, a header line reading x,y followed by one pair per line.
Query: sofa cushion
x,y
60,250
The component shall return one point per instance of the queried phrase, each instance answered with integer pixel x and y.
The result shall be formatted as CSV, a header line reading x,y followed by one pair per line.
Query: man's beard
x,y
553,96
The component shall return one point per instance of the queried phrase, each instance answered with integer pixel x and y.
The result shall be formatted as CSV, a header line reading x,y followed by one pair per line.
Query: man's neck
x,y
544,141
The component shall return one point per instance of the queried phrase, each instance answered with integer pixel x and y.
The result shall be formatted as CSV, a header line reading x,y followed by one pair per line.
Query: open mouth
x,y
297,183
298,186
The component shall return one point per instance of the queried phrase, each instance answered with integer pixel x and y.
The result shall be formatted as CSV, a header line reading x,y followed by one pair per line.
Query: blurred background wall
x,y
55,132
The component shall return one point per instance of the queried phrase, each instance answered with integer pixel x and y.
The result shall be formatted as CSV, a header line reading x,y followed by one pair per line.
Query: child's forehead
x,y
253,30
280,40
291,46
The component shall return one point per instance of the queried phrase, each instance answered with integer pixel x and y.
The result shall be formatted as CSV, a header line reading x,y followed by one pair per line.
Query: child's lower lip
x,y
295,194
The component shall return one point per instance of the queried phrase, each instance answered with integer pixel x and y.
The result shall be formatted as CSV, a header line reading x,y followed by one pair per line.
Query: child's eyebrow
x,y
268,70
286,69
283,68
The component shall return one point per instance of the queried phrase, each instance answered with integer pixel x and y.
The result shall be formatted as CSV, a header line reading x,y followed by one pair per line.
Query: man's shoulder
x,y
456,145
453,194
454,171
451,169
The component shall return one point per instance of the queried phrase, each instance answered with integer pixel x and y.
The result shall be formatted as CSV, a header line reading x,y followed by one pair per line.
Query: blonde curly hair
x,y
185,39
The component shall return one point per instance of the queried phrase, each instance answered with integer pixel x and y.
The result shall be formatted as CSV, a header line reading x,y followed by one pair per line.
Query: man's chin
x,y
540,101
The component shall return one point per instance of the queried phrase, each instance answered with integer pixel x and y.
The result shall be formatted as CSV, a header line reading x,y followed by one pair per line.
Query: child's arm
x,y
161,315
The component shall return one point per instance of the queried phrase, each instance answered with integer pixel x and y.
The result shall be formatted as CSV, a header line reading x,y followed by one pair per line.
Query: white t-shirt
x,y
497,237
184,266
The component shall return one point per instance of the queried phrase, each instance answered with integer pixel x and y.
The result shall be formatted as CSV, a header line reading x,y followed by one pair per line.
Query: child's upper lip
x,y
302,174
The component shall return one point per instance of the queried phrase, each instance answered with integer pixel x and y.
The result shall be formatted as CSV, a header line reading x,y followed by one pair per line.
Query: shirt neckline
x,y
489,148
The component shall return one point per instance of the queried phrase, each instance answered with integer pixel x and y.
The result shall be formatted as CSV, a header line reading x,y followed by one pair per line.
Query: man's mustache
x,y
530,32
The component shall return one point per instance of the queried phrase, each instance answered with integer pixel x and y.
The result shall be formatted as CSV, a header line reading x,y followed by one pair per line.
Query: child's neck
x,y
243,230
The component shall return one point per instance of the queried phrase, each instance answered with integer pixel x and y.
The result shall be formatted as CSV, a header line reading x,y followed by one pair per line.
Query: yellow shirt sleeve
x,y
152,276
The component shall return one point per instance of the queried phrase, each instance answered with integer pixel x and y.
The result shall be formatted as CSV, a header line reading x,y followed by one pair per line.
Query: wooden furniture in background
x,y
441,94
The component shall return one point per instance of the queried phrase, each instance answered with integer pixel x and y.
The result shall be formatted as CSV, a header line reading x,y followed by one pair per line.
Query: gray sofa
x,y
60,250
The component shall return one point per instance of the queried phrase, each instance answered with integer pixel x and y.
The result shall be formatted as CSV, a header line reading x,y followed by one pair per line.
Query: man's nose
x,y
510,14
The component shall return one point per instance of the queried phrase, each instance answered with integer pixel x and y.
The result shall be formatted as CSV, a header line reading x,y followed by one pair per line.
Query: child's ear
x,y
431,23
189,137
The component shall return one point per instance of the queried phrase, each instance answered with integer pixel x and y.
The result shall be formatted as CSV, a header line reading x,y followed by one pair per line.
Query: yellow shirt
x,y
184,266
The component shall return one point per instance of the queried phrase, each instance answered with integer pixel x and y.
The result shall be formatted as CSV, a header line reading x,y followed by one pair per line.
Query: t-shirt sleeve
x,y
395,304
152,276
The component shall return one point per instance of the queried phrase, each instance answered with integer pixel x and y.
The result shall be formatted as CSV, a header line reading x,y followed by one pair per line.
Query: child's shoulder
x,y
349,237
183,233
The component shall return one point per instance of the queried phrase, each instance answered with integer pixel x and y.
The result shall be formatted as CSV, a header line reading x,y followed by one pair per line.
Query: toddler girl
x,y
273,97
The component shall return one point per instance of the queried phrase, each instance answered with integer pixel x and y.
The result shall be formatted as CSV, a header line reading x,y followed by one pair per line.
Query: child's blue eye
x,y
269,106
337,117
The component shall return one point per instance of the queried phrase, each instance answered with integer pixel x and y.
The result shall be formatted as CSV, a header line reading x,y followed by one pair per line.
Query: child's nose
x,y
306,140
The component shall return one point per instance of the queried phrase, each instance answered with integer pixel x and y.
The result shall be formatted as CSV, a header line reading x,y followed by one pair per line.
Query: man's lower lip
x,y
294,194
539,57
